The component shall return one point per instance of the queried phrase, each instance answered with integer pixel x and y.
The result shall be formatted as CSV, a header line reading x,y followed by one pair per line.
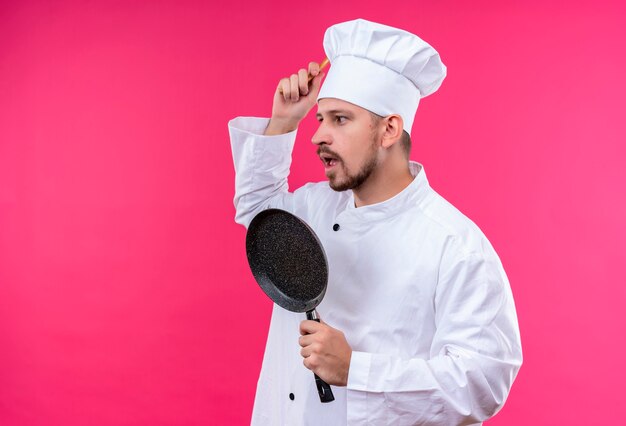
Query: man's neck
x,y
383,184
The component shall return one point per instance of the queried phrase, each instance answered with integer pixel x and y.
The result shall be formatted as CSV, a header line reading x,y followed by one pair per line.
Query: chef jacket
x,y
414,285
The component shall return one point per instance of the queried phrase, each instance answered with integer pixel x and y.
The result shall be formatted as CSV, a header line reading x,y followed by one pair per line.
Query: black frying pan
x,y
289,263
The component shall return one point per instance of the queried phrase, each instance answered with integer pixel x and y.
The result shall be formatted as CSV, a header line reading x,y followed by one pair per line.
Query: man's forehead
x,y
326,105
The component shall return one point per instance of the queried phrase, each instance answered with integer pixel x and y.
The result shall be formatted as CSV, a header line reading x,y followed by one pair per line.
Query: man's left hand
x,y
326,352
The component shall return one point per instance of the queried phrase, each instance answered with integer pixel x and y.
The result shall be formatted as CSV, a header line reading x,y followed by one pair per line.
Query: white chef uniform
x,y
415,286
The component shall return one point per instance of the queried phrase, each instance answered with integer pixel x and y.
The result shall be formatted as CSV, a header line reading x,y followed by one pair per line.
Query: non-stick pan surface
x,y
287,260
289,263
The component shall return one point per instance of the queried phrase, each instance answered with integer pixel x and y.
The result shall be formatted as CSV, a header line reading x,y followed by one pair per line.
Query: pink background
x,y
125,294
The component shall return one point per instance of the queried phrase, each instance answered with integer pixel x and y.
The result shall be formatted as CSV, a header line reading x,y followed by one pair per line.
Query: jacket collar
x,y
409,196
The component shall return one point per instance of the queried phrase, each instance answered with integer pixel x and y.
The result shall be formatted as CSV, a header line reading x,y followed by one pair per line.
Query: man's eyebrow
x,y
335,112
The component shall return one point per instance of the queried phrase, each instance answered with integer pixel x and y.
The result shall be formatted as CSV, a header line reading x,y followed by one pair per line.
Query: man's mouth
x,y
329,161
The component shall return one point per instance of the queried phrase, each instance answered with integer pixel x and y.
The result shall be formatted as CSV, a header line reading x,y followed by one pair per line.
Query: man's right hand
x,y
293,99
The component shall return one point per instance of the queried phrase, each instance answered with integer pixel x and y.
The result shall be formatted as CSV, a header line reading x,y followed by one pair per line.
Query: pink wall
x,y
125,295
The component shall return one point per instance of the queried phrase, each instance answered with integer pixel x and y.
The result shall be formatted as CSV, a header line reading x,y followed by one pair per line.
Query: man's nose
x,y
320,136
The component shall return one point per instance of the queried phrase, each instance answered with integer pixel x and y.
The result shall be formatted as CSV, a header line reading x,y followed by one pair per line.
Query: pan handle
x,y
323,388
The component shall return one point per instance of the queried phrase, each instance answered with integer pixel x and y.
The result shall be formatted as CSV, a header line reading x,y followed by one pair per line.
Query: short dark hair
x,y
405,140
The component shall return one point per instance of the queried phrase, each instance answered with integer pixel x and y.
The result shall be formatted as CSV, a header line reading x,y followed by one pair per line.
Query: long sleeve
x,y
261,169
474,358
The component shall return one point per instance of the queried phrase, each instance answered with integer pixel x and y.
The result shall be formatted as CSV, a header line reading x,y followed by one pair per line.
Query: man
x,y
418,321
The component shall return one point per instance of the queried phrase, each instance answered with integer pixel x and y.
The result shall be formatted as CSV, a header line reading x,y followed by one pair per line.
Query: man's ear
x,y
393,130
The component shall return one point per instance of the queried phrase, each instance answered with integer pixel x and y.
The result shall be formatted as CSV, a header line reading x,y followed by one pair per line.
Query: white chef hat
x,y
382,69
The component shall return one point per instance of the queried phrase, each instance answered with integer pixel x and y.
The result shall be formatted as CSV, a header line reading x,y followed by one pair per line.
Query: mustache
x,y
323,150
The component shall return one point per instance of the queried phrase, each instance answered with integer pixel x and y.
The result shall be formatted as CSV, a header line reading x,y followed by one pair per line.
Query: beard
x,y
355,180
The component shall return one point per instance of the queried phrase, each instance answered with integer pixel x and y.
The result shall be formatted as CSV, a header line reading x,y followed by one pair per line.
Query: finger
x,y
305,340
314,68
316,83
311,362
285,88
295,91
305,361
303,81
309,327
306,352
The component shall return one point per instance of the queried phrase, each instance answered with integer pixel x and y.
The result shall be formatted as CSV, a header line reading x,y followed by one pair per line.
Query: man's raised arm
x,y
262,148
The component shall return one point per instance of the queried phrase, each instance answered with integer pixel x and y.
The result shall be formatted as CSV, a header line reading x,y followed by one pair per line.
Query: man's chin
x,y
337,186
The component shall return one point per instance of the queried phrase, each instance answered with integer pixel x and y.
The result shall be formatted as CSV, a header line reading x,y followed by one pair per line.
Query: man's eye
x,y
340,118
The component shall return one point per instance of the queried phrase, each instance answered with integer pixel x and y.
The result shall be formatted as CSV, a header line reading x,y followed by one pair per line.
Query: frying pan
x,y
289,264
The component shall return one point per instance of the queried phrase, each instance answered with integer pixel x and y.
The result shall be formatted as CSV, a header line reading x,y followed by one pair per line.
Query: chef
x,y
418,322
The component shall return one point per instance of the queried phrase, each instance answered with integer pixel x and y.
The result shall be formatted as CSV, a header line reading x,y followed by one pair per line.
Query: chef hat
x,y
382,69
